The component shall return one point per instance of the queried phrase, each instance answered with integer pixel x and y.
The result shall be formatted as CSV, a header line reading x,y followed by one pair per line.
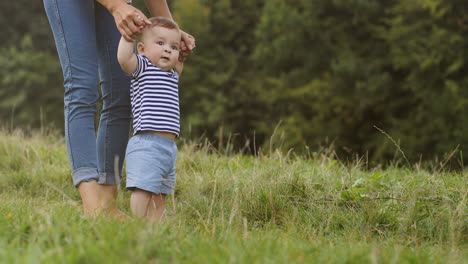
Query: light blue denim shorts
x,y
150,163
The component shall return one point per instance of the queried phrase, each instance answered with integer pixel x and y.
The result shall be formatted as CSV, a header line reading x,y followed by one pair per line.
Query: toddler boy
x,y
151,152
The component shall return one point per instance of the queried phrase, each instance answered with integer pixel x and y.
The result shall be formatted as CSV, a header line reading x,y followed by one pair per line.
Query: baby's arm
x,y
179,67
126,56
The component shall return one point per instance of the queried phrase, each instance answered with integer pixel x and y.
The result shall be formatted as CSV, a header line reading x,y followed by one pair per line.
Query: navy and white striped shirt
x,y
154,95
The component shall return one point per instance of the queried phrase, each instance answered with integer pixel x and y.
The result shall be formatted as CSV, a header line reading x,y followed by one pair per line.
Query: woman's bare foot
x,y
99,198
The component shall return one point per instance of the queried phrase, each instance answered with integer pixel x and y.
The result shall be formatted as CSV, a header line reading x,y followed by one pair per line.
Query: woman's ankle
x,y
107,197
90,198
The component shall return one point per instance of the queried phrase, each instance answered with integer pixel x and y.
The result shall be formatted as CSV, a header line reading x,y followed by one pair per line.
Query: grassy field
x,y
274,208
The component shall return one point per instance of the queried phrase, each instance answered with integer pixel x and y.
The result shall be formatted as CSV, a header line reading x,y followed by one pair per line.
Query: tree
x,y
219,87
342,68
31,84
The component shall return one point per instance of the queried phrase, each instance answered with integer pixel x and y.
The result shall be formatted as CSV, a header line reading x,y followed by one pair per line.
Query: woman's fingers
x,y
132,27
128,38
129,21
188,40
183,46
140,19
186,46
126,32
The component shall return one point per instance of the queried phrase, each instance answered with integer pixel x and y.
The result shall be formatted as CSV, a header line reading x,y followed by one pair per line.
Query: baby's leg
x,y
157,207
140,201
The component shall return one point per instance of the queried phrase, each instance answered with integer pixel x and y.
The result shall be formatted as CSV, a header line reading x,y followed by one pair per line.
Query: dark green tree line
x,y
337,70
31,92
327,71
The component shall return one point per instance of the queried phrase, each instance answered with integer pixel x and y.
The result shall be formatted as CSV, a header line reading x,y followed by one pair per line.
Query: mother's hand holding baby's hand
x,y
129,20
186,46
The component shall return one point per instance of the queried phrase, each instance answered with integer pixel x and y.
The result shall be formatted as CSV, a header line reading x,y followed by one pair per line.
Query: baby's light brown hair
x,y
161,22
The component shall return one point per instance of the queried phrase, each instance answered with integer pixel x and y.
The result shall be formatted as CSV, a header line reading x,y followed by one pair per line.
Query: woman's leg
x,y
114,125
73,27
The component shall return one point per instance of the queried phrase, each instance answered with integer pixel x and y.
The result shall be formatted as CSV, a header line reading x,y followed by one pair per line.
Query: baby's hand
x,y
137,33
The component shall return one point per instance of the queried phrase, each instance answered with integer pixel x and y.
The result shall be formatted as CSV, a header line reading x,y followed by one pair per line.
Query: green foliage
x,y
296,74
23,17
219,87
428,46
31,93
30,88
343,67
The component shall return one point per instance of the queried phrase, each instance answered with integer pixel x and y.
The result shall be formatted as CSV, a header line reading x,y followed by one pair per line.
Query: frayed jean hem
x,y
91,174
108,179
84,175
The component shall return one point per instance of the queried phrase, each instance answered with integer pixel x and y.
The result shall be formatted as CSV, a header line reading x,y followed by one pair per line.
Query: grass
x,y
274,208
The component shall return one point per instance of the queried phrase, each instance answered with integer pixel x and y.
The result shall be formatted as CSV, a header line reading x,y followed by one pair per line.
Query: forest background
x,y
365,77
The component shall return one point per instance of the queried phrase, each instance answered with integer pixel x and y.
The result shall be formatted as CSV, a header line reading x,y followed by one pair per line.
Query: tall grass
x,y
273,208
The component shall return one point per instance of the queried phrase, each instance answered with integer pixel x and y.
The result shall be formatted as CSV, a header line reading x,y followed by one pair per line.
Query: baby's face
x,y
161,46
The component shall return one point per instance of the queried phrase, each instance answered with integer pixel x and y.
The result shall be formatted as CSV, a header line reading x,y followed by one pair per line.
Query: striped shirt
x,y
154,95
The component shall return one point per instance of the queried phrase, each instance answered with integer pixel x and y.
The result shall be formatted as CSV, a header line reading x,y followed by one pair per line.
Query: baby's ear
x,y
140,48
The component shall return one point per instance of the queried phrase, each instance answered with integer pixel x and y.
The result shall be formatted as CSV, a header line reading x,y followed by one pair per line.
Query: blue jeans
x,y
87,39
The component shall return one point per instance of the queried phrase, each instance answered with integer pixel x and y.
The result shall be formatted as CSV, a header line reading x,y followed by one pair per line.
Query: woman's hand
x,y
186,46
129,20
